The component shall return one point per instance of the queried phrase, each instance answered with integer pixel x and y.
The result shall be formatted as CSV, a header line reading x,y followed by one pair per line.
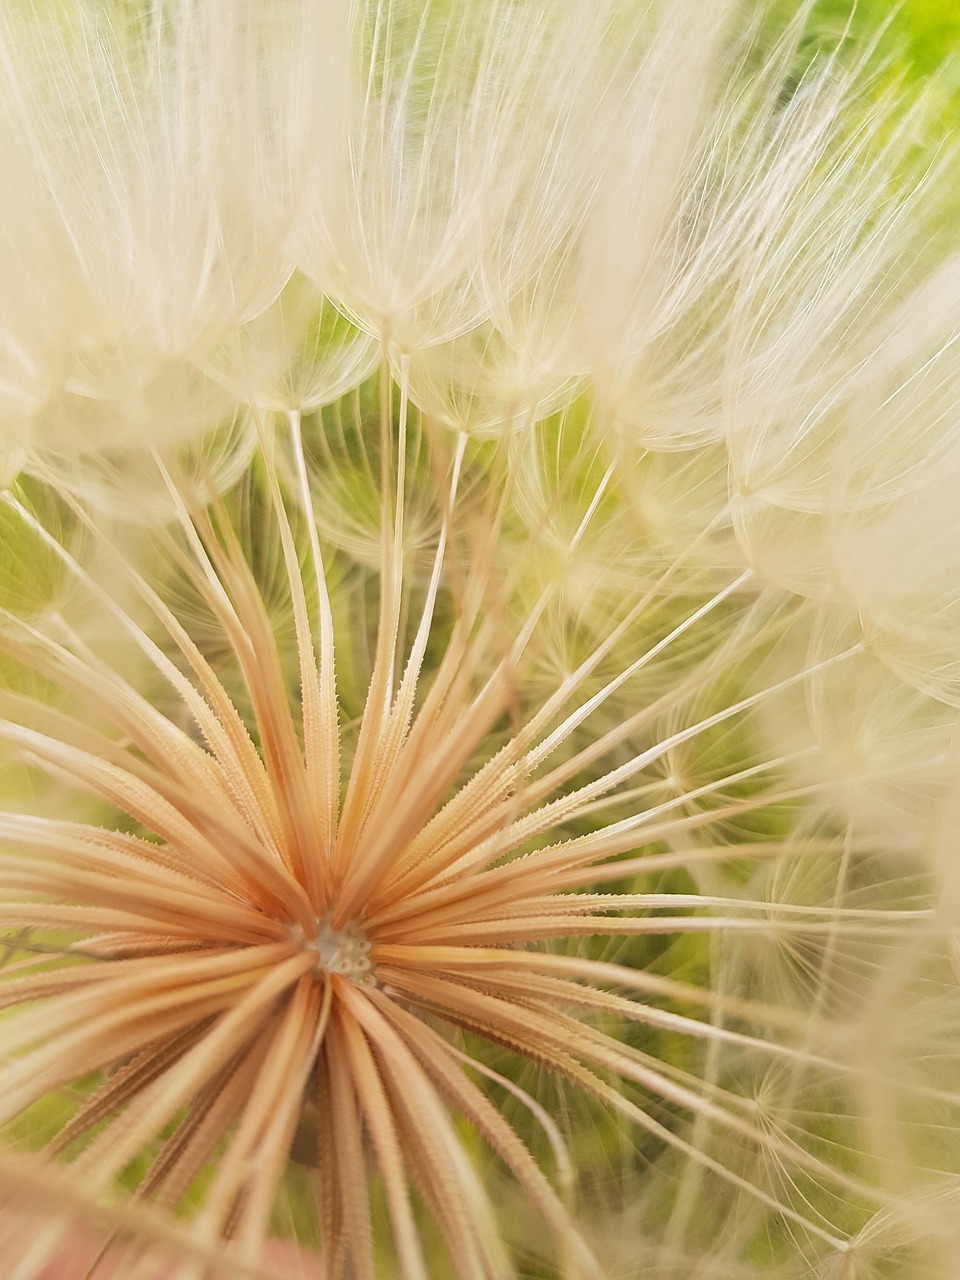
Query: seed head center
x,y
344,951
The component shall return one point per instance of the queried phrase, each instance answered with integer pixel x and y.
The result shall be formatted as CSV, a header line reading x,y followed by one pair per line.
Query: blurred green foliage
x,y
919,37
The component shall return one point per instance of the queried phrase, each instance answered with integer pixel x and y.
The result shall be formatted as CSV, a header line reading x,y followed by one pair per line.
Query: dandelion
x,y
403,844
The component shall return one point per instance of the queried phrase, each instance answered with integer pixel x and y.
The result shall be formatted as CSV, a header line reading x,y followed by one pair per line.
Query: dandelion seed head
x,y
481,703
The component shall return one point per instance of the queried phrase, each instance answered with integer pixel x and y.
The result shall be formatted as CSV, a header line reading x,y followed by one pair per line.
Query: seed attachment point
x,y
344,951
